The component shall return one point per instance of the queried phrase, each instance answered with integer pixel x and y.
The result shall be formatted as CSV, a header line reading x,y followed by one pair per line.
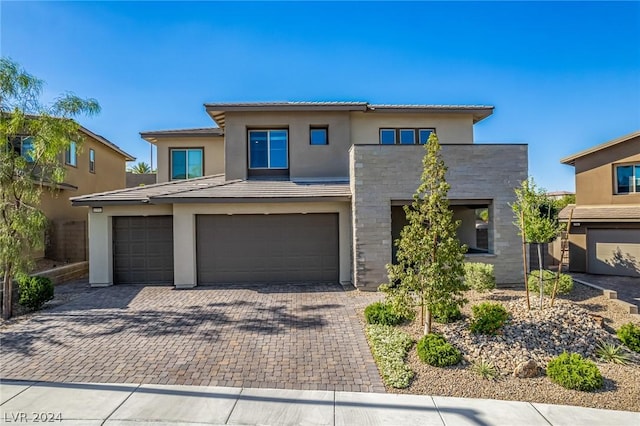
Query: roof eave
x,y
571,159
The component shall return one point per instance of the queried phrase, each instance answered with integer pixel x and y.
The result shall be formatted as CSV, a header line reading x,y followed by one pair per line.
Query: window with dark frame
x,y
92,161
71,155
269,149
186,163
319,135
627,178
405,136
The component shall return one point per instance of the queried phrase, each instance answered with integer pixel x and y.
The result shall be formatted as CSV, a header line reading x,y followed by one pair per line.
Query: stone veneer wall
x,y
382,173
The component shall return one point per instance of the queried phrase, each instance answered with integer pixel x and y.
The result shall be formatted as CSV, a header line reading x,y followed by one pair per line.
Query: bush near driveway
x,y
479,276
565,285
34,291
488,318
629,334
436,351
382,313
389,347
572,371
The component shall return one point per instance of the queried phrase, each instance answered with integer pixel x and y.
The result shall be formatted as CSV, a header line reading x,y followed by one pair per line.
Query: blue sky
x,y
562,76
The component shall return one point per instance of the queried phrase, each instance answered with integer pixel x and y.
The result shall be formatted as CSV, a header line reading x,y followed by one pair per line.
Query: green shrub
x,y
565,285
446,314
34,291
436,351
479,276
572,371
382,313
389,347
629,334
488,318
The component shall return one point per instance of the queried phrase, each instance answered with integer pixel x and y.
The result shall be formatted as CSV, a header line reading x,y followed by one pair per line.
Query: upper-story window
x,y
405,136
319,135
92,161
627,178
23,146
186,163
71,155
268,149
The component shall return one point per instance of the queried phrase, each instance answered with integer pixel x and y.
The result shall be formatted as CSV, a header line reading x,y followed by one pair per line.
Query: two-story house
x,y
300,192
604,236
95,165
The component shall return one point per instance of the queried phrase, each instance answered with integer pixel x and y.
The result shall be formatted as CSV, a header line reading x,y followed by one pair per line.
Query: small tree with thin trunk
x,y
535,220
430,260
33,138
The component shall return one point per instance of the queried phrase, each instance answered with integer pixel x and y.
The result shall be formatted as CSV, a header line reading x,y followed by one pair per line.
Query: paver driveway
x,y
292,336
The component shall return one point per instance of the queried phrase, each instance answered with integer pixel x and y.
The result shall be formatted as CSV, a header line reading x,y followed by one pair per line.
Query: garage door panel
x,y
614,251
143,249
267,248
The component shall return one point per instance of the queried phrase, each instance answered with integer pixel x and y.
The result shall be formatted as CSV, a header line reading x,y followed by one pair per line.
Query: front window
x,y
186,163
628,179
92,161
71,155
318,136
405,136
23,146
268,149
388,136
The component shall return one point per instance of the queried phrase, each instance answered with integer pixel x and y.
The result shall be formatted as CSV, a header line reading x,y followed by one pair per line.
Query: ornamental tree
x,y
429,272
33,137
536,220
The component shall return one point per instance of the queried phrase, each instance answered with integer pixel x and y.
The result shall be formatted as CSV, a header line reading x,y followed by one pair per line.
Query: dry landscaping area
x,y
577,323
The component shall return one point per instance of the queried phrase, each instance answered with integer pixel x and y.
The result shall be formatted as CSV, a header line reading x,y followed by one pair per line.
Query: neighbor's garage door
x,y
267,248
614,251
143,250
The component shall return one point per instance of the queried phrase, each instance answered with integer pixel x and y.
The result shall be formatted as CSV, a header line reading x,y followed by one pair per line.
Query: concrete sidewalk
x,y
121,404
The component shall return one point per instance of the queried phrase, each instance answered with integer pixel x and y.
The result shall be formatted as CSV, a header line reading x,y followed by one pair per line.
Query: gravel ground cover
x,y
573,324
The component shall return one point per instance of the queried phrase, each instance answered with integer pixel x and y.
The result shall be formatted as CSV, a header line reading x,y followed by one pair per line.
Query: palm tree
x,y
140,168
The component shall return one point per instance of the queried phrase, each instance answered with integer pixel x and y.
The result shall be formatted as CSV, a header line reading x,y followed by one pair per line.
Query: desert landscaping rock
x,y
526,370
567,326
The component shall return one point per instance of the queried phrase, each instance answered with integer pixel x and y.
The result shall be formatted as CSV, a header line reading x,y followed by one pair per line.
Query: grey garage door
x,y
614,251
267,248
143,250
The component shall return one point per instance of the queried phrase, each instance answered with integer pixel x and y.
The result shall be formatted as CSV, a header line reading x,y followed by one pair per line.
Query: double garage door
x,y
272,248
614,251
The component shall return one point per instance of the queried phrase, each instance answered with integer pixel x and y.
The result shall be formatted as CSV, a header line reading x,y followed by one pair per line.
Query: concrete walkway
x,y
128,404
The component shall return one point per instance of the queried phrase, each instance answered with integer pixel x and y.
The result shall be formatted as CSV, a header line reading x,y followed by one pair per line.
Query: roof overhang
x,y
217,111
108,143
571,160
155,135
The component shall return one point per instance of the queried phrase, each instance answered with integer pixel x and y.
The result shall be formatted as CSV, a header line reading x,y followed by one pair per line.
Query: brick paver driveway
x,y
295,336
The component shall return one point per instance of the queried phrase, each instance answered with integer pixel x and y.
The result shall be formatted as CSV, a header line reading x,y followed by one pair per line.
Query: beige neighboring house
x,y
96,165
605,231
300,192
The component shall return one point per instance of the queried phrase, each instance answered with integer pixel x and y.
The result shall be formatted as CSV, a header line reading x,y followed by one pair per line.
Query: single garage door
x,y
271,248
614,251
143,250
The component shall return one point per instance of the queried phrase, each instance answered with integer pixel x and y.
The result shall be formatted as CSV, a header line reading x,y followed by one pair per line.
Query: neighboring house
x,y
96,165
604,237
300,192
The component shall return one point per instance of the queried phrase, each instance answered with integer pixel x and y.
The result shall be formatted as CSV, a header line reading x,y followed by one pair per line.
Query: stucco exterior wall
x,y
383,173
595,175
451,128
213,153
305,160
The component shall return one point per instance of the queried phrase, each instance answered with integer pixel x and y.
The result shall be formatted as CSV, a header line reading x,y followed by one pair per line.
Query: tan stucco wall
x,y
109,175
595,176
451,128
184,232
305,160
213,153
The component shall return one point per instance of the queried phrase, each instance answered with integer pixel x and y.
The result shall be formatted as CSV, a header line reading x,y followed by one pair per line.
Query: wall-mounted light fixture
x,y
97,209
